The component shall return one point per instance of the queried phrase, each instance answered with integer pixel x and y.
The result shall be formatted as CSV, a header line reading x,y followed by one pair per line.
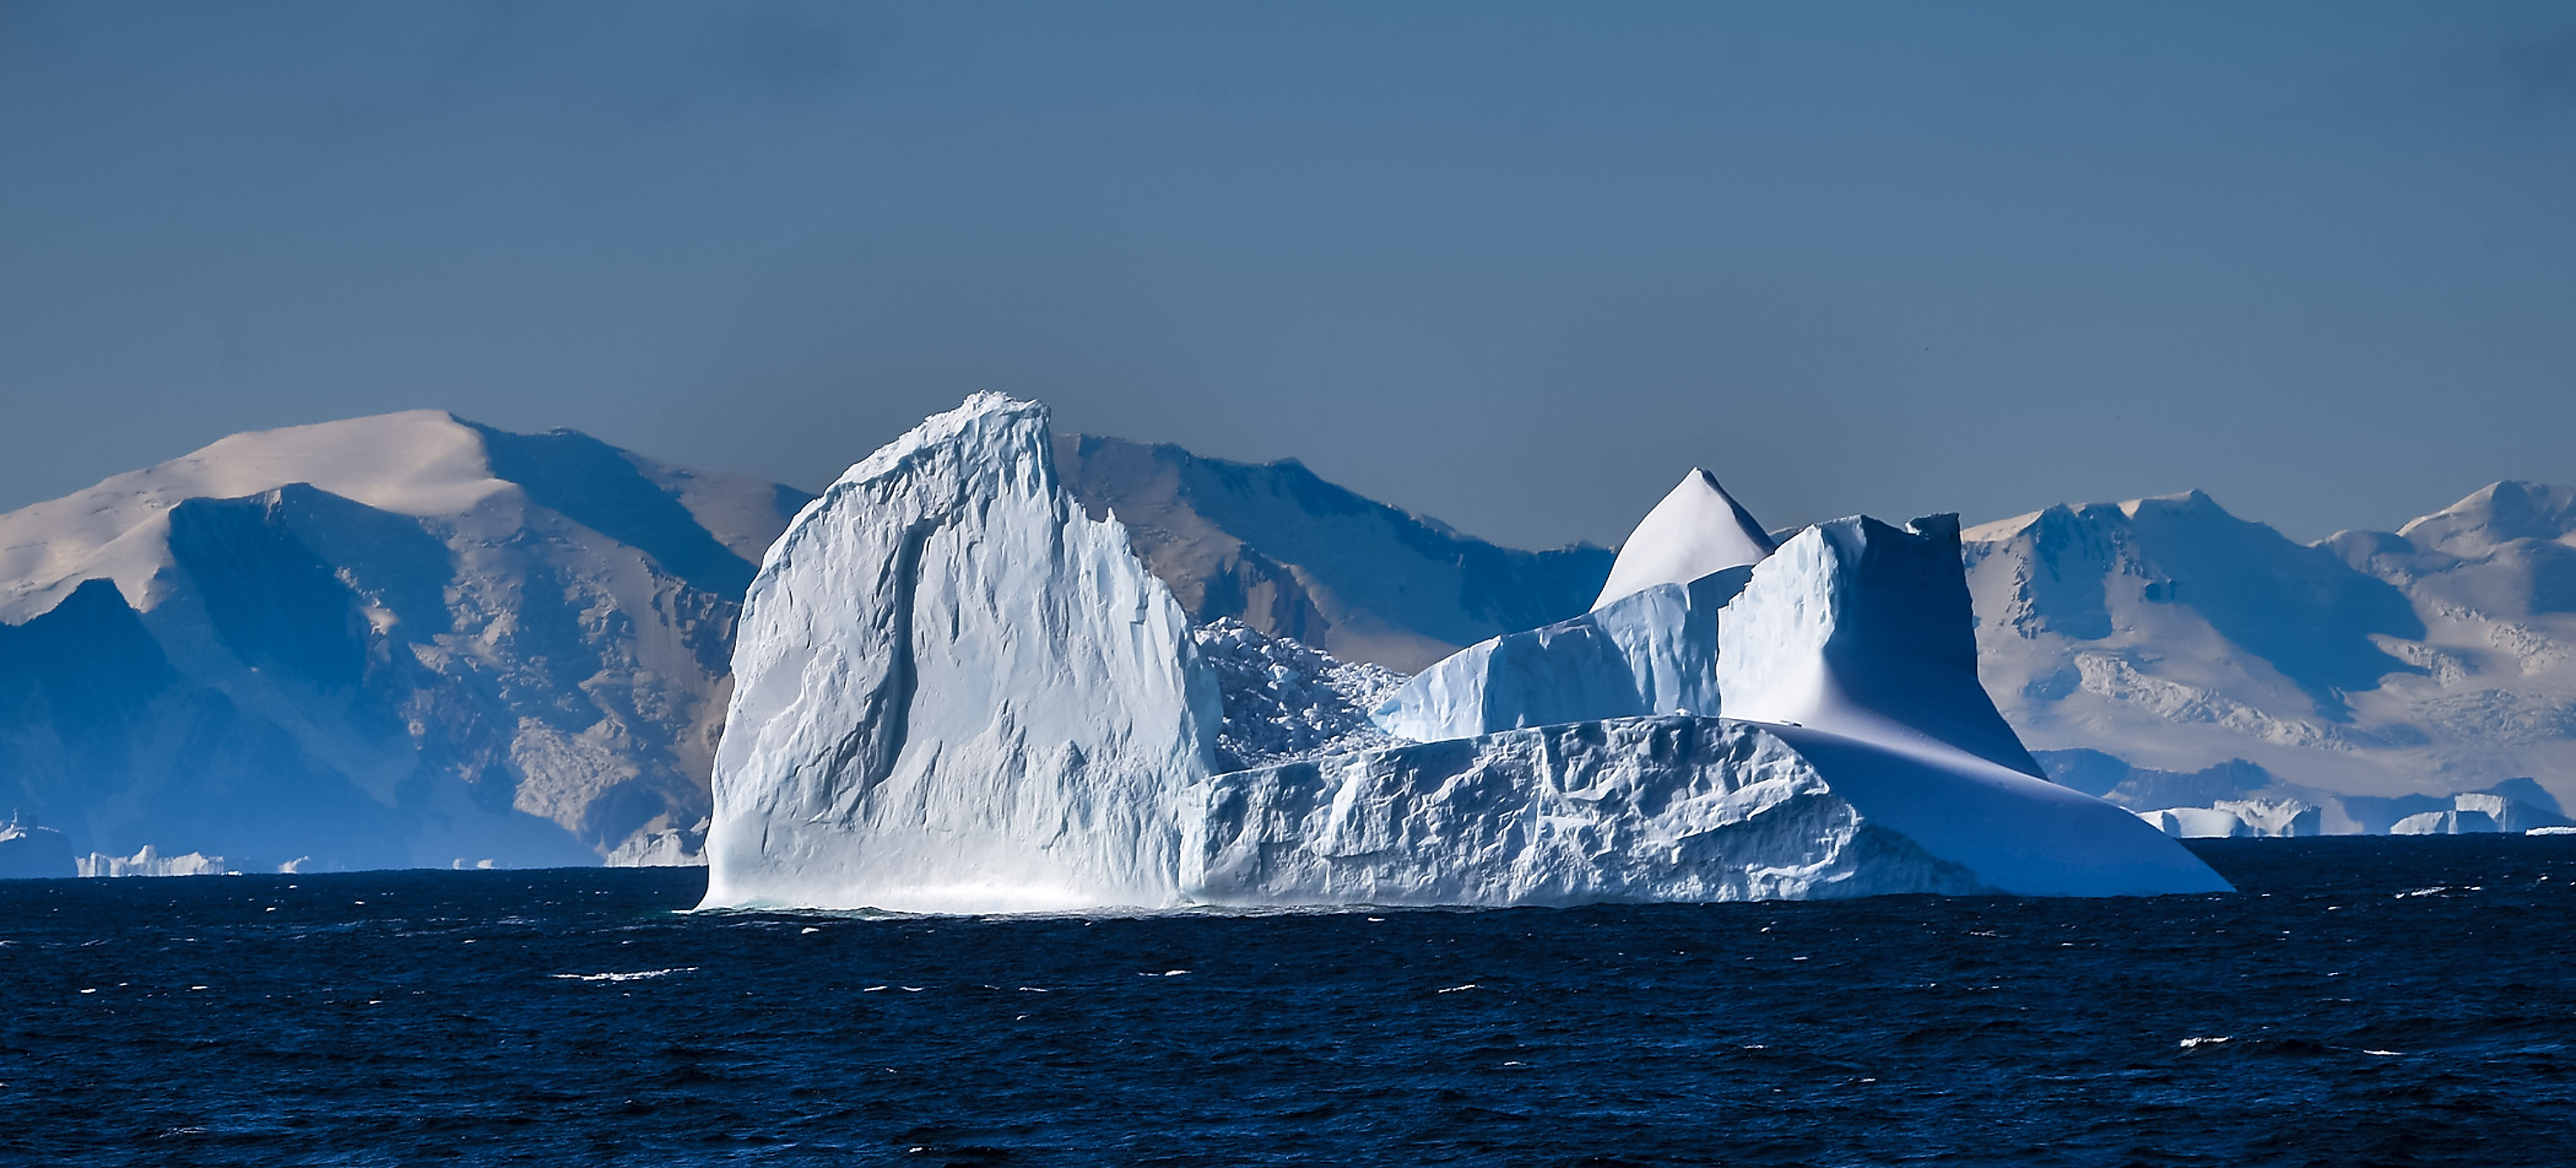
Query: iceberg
x,y
30,852
953,691
956,692
2238,818
150,862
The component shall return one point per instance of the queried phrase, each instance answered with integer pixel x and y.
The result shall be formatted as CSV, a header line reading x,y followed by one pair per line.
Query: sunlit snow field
x,y
2364,1000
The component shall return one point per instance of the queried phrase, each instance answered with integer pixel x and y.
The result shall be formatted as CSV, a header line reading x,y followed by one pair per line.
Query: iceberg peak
x,y
954,692
1697,529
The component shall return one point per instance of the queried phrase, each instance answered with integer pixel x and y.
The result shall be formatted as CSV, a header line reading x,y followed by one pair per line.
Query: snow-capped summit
x,y
388,641
2369,666
1697,529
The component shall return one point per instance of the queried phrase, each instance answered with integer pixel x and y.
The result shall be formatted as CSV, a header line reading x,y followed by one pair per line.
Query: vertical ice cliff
x,y
1697,529
1861,629
955,692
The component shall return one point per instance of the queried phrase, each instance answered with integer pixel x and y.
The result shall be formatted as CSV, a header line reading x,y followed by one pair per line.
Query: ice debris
x,y
1285,701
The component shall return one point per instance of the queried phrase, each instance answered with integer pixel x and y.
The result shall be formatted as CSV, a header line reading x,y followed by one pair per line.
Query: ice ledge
x,y
1660,809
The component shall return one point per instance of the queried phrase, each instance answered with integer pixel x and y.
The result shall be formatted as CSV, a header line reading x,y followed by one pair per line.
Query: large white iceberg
x,y
955,692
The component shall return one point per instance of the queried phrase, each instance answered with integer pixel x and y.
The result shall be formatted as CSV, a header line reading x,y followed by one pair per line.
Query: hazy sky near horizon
x,y
1515,266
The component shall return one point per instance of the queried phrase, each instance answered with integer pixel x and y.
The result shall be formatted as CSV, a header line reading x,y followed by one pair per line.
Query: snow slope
x,y
1294,556
955,692
388,641
1696,530
2168,633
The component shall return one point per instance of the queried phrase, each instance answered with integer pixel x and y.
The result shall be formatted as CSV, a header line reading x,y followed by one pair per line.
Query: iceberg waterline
x,y
956,692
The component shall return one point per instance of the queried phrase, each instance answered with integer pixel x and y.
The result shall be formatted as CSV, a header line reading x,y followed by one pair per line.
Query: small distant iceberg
x,y
32,852
955,692
150,862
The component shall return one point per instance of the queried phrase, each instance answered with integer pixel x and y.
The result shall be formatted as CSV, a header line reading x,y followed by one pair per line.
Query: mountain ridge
x,y
416,639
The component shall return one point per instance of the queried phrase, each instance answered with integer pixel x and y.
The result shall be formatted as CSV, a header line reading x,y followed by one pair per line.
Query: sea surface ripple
x,y
2361,1001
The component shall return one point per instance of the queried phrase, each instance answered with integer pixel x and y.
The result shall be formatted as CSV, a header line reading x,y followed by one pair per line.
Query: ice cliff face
x,y
1864,630
1291,555
956,692
2368,667
392,641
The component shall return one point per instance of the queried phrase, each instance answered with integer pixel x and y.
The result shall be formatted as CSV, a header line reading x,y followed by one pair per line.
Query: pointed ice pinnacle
x,y
1696,530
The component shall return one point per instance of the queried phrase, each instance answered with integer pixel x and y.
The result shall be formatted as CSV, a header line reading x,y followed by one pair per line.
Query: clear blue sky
x,y
1516,266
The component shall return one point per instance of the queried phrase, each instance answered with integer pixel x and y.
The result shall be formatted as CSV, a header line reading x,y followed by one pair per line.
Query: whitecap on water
x,y
638,975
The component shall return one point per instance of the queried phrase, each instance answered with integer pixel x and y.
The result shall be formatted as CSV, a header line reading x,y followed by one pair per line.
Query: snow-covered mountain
x,y
389,641
2176,637
1294,556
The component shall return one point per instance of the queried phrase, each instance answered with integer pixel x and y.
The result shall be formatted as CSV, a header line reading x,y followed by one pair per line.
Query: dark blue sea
x,y
2362,1001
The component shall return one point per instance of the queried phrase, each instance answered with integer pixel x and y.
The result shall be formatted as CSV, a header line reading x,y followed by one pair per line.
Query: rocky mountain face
x,y
1291,555
2176,637
392,641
